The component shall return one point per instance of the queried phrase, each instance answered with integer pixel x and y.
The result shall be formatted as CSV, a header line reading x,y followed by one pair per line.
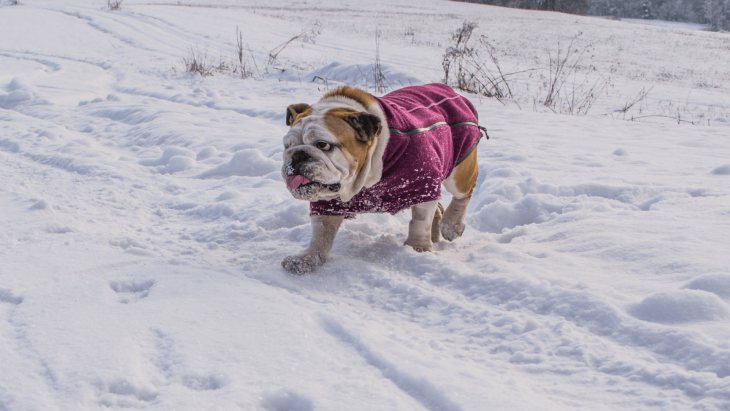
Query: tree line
x,y
714,13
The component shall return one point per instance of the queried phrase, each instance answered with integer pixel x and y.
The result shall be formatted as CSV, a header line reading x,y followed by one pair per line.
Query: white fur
x,y
335,167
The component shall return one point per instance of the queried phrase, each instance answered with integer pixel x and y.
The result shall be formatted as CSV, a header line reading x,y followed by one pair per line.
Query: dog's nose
x,y
299,157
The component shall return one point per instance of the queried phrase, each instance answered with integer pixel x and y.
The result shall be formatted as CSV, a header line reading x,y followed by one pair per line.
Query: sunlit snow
x,y
144,218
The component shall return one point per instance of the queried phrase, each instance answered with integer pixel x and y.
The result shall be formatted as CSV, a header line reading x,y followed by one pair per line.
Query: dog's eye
x,y
323,146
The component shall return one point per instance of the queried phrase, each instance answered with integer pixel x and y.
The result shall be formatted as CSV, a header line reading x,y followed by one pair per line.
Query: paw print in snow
x,y
131,290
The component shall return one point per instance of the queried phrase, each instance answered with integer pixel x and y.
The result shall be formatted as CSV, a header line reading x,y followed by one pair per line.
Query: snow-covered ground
x,y
144,220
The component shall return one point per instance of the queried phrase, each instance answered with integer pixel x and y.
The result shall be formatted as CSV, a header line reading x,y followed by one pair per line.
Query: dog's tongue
x,y
295,181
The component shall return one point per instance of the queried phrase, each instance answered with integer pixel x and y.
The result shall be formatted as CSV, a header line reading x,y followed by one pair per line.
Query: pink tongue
x,y
295,181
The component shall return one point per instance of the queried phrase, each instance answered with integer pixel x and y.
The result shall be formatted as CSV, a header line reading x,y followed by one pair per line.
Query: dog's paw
x,y
303,263
423,249
450,231
420,247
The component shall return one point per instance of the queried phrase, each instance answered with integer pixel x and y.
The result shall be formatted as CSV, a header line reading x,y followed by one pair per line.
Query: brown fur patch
x,y
296,110
345,135
466,173
300,116
362,97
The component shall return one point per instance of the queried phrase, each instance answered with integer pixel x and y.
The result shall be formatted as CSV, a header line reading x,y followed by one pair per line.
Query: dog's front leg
x,y
419,229
324,229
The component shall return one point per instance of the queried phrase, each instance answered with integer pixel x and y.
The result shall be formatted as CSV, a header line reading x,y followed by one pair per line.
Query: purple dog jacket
x,y
432,129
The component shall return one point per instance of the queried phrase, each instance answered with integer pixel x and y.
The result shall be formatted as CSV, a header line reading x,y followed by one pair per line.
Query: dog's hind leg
x,y
419,229
461,185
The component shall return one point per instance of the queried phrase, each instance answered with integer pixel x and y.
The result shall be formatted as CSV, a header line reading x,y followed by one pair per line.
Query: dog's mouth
x,y
305,189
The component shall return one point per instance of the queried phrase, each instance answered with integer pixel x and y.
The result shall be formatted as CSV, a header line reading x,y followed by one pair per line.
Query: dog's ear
x,y
293,111
366,126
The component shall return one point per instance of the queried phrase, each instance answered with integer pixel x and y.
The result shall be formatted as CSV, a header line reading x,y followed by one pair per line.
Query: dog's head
x,y
329,148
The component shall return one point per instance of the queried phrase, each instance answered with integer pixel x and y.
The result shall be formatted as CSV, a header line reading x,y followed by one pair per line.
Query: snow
x,y
144,219
722,170
247,162
358,75
681,306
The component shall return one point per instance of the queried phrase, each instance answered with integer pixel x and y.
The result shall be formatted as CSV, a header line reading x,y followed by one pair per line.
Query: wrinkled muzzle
x,y
303,174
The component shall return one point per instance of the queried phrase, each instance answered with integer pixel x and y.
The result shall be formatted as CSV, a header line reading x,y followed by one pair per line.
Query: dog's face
x,y
326,149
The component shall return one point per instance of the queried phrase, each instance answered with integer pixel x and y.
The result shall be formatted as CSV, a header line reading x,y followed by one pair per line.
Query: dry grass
x,y
640,98
381,83
306,36
243,68
198,62
243,62
114,4
565,93
466,69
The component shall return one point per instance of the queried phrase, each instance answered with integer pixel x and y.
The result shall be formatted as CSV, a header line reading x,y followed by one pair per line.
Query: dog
x,y
353,153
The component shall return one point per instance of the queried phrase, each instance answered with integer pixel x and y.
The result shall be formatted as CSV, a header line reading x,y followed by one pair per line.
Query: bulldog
x,y
353,153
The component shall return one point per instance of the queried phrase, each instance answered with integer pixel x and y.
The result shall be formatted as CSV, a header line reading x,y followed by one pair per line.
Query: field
x,y
144,216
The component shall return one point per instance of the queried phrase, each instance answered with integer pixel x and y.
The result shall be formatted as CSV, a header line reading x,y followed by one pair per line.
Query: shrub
x,y
197,62
465,69
580,97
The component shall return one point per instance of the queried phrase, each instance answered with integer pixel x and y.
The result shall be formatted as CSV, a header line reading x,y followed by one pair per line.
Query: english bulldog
x,y
353,153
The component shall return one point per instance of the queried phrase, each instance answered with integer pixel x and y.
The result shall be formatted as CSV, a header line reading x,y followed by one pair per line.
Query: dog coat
x,y
432,129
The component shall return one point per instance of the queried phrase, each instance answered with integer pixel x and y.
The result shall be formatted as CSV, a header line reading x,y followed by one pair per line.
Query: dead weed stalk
x,y
306,36
197,62
465,69
477,70
113,4
381,83
582,95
